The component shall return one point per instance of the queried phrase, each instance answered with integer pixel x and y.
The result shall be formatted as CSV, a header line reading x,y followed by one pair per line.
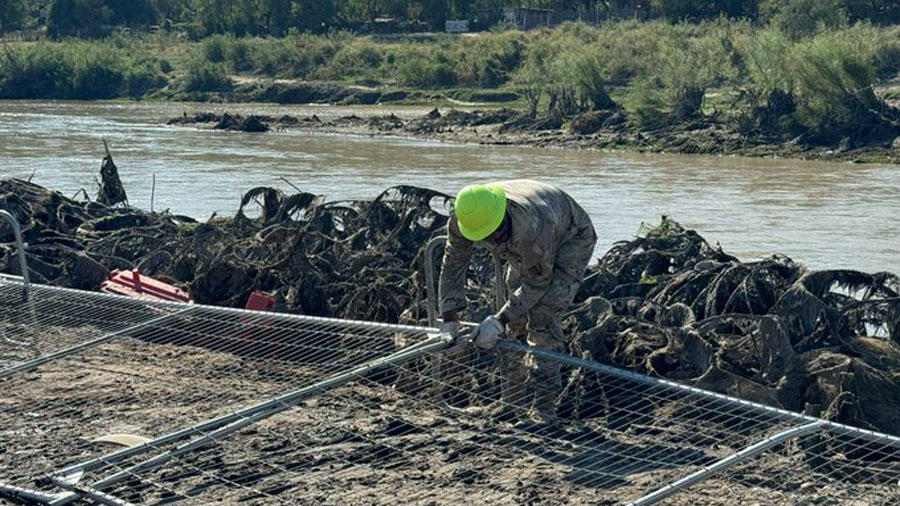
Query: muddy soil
x,y
602,130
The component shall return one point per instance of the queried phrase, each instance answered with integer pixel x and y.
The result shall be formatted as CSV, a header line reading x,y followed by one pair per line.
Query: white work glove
x,y
451,328
487,333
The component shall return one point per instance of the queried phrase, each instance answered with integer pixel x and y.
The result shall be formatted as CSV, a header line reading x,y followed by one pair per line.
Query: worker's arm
x,y
536,275
453,272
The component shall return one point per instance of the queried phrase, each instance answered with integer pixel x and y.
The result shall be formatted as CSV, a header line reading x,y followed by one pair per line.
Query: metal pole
x,y
24,493
228,424
431,296
153,192
78,348
837,428
92,494
20,246
499,285
431,302
723,464
347,324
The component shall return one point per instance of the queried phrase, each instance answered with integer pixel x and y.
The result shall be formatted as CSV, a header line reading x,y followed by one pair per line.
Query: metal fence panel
x,y
257,408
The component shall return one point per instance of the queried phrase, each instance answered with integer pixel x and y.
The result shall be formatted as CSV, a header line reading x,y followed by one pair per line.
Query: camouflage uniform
x,y
551,242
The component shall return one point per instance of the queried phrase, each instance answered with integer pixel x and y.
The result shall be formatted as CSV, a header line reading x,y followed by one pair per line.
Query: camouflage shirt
x,y
545,221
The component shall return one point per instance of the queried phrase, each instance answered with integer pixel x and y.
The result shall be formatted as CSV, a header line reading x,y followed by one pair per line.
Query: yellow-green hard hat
x,y
480,210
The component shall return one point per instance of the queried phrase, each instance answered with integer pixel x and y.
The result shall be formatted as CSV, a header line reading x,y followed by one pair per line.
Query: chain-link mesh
x,y
238,407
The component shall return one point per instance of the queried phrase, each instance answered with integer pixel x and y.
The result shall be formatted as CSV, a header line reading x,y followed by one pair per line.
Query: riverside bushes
x,y
77,70
782,80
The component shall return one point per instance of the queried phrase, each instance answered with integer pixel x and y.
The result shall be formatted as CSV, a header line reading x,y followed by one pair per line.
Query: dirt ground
x,y
367,443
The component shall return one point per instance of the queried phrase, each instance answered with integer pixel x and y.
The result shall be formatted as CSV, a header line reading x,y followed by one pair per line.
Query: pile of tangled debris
x,y
667,303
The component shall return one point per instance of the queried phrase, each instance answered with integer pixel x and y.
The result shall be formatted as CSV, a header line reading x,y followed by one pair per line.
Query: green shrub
x,y
834,75
587,74
76,70
531,81
418,70
685,68
239,55
803,18
38,71
203,76
487,60
359,58
215,47
143,77
887,55
766,59
628,50
96,75
645,105
579,31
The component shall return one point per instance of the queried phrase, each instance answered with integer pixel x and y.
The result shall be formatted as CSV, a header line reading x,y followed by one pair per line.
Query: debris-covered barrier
x,y
666,303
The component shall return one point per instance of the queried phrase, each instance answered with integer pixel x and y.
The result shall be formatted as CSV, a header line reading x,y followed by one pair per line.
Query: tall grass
x,y
294,56
663,73
204,76
835,75
691,60
77,70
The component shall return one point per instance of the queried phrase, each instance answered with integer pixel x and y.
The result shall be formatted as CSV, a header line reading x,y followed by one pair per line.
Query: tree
x,y
12,13
277,15
313,15
435,13
360,10
78,18
884,12
174,11
677,10
240,17
802,18
132,12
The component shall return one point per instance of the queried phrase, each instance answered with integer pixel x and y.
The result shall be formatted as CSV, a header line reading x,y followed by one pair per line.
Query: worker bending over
x,y
547,240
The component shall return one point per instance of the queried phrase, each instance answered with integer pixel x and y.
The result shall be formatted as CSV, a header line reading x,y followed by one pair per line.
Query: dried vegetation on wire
x,y
666,303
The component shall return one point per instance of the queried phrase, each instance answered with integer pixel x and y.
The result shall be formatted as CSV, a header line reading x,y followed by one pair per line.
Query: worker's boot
x,y
546,382
515,398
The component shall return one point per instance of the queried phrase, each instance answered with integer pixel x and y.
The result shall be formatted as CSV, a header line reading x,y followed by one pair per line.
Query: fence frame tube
x,y
353,324
727,462
20,247
9,490
431,289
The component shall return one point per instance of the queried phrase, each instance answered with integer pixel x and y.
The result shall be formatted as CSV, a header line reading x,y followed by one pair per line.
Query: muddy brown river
x,y
827,215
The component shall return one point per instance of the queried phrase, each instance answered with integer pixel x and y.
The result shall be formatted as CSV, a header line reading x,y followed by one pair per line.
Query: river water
x,y
826,215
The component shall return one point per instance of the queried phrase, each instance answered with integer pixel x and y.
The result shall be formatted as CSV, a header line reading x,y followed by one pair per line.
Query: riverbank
x,y
596,130
722,87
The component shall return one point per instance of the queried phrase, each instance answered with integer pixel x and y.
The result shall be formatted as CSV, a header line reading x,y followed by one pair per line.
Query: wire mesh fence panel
x,y
168,375
56,319
820,469
235,407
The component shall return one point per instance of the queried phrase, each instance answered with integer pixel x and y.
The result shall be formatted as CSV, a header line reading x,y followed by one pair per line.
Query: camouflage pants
x,y
540,379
